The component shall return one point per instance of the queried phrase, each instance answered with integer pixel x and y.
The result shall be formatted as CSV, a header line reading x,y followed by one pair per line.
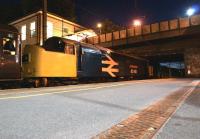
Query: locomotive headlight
x,y
12,53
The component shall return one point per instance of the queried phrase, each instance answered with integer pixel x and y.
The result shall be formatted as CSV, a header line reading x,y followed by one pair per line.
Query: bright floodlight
x,y
137,22
190,11
99,25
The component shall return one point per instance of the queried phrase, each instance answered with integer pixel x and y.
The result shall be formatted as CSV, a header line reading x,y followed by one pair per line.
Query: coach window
x,y
69,49
9,46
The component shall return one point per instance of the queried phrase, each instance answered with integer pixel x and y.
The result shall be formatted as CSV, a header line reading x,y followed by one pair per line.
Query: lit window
x,y
23,32
49,29
32,29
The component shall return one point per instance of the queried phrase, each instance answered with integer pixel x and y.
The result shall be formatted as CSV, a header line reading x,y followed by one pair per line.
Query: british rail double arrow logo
x,y
110,69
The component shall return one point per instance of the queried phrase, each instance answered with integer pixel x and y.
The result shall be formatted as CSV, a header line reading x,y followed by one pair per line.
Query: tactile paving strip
x,y
146,123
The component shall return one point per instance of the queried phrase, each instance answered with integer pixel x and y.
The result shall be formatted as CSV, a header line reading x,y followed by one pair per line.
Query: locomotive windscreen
x,y
54,44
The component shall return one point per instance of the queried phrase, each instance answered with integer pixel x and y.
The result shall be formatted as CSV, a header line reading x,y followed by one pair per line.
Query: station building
x,y
31,27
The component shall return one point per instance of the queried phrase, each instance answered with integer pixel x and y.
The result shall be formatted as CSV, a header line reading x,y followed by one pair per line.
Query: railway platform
x,y
185,122
176,116
146,109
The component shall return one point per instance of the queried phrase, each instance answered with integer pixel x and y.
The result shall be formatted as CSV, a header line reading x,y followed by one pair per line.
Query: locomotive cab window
x,y
55,45
8,46
69,49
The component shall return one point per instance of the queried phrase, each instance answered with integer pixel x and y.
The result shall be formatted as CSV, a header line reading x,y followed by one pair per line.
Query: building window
x,y
49,29
33,29
65,31
23,32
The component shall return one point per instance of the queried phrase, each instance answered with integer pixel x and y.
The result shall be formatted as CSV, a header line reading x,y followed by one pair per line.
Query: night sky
x,y
122,12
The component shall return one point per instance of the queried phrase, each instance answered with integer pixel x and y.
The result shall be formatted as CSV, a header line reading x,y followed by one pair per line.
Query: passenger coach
x,y
10,55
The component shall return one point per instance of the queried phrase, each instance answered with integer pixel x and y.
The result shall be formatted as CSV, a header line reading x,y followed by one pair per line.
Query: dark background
x,y
123,12
89,12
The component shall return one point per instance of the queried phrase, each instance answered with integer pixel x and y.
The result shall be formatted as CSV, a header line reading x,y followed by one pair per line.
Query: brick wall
x,y
192,62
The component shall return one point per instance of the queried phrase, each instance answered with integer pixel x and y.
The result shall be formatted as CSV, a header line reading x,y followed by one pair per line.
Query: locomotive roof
x,y
8,28
69,41
106,49
97,47
109,50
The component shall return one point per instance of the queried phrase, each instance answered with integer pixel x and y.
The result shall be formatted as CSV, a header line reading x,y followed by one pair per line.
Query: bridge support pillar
x,y
192,62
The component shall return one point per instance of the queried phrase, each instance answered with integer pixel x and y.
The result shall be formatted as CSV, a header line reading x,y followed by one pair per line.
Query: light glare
x,y
190,11
99,25
137,23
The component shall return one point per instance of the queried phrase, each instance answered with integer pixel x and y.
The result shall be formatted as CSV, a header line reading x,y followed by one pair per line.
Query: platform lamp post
x,y
44,30
99,26
135,6
138,20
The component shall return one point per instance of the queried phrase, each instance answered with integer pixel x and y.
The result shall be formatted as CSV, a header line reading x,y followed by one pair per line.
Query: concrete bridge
x,y
176,40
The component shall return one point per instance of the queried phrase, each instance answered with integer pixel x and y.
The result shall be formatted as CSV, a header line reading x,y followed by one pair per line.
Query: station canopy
x,y
79,36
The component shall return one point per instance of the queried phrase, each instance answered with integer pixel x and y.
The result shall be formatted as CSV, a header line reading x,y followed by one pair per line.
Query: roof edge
x,y
49,14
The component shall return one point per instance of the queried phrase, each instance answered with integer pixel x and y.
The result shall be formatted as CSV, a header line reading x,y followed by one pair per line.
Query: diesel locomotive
x,y
10,55
60,59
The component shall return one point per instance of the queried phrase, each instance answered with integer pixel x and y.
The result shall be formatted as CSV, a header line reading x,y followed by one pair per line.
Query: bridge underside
x,y
171,65
167,54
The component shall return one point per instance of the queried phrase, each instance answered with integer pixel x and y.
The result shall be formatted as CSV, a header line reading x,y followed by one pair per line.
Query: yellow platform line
x,y
66,91
60,92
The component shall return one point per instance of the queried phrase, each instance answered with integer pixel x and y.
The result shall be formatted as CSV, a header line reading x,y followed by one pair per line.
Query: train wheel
x,y
44,82
36,83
